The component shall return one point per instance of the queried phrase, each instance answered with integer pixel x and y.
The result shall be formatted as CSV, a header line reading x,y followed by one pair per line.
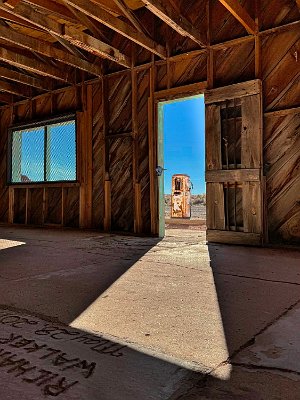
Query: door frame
x,y
156,147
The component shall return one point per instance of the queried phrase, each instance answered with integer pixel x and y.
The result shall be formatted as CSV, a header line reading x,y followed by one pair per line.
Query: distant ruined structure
x,y
181,196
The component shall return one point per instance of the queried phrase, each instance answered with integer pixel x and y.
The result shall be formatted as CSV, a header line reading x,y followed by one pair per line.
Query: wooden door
x,y
234,173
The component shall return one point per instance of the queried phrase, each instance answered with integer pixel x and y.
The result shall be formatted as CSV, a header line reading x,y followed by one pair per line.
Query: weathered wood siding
x,y
119,121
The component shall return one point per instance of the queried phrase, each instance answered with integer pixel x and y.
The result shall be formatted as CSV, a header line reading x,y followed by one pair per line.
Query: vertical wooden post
x,y
86,160
152,151
257,42
135,147
107,204
62,206
105,155
11,205
89,155
210,51
169,79
11,189
26,206
82,165
44,209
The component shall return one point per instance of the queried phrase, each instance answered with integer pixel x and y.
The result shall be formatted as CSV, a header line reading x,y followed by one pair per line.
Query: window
x,y
177,183
44,152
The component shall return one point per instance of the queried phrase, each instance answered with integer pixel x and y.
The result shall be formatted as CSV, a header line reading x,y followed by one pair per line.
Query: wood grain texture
x,y
213,137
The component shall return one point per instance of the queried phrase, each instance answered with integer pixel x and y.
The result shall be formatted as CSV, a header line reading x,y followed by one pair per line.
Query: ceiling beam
x,y
46,49
15,20
6,98
90,23
16,76
53,8
73,35
165,11
130,16
33,65
234,7
16,89
114,9
69,46
118,25
12,3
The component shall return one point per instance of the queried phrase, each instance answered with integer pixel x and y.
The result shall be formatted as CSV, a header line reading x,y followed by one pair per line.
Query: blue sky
x,y
184,143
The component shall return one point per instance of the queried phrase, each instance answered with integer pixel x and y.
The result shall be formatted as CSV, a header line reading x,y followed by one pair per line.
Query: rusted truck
x,y
181,196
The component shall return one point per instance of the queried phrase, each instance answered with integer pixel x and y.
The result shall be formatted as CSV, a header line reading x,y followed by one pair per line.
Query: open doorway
x,y
181,156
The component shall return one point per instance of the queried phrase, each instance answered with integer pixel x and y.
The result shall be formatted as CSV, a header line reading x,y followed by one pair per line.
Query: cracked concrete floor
x,y
95,316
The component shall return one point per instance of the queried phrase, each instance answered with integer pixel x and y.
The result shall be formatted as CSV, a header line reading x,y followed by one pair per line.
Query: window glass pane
x,y
28,155
61,152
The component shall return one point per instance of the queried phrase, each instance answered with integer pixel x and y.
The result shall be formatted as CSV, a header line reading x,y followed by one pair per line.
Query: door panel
x,y
234,164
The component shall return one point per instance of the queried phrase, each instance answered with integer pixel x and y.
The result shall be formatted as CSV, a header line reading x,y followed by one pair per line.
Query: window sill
x,y
32,185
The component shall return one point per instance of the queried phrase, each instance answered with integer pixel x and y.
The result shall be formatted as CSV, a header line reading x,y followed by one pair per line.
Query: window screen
x,y
45,153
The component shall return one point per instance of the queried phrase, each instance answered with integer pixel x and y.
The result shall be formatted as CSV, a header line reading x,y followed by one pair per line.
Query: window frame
x,y
37,124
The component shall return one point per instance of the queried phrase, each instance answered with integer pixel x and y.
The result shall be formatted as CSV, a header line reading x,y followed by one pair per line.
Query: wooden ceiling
x,y
46,43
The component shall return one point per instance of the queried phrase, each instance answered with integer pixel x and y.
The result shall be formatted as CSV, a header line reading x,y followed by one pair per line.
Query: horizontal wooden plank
x,y
230,237
282,113
181,91
236,175
232,91
42,185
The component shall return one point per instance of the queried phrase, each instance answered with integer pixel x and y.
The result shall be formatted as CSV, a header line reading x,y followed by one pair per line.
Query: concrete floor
x,y
90,316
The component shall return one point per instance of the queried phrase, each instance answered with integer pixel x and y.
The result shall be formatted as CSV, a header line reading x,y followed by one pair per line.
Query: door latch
x,y
159,170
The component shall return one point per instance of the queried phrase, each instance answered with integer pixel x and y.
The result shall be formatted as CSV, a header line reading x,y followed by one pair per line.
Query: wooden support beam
x,y
131,17
167,13
6,98
96,47
12,3
46,49
74,36
16,89
107,205
4,15
240,14
7,73
88,22
118,25
70,47
54,8
33,65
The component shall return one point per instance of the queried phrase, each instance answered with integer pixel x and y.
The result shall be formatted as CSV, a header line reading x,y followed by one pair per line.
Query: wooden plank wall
x,y
117,136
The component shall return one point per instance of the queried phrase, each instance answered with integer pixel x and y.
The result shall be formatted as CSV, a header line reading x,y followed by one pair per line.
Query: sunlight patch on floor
x,y
6,244
166,305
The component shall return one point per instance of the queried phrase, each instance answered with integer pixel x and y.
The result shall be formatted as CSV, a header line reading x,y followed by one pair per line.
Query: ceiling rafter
x,y
14,19
239,12
111,7
87,22
33,65
72,35
16,89
130,16
69,46
48,50
6,98
118,25
19,77
165,11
